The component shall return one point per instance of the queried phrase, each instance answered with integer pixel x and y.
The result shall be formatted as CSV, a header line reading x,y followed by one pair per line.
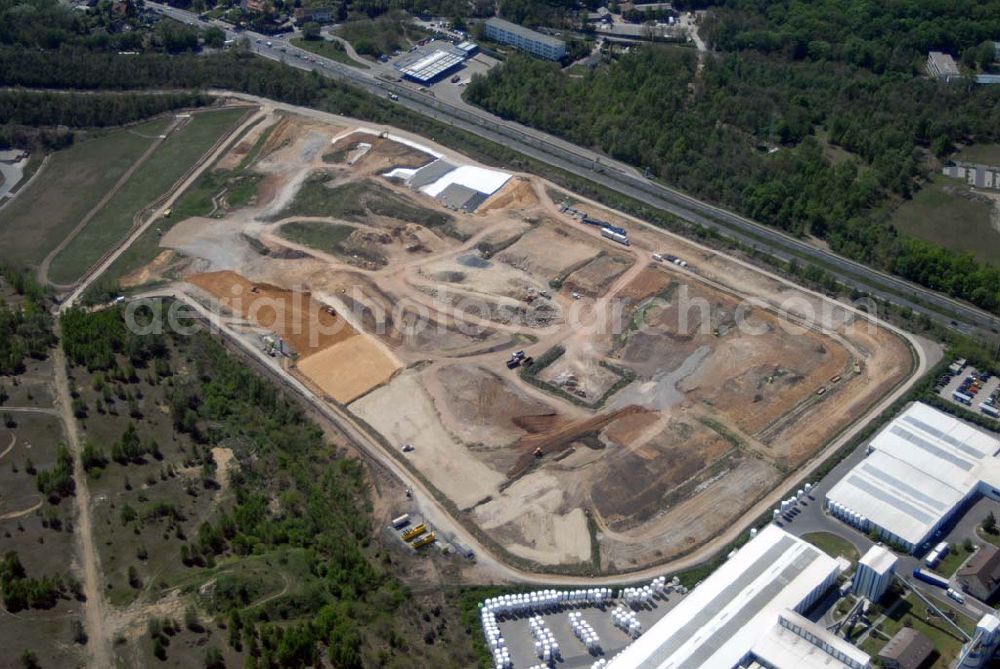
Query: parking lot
x,y
521,643
978,390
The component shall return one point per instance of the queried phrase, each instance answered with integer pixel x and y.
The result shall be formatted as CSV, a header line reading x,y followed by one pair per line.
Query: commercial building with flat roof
x,y
525,39
922,469
426,66
719,623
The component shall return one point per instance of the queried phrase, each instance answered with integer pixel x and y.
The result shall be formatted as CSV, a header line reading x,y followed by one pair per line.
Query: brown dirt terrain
x,y
596,277
561,437
517,193
549,252
384,155
715,418
302,321
348,369
483,408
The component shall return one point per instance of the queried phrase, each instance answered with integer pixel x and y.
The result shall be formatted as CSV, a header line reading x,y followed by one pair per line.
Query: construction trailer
x,y
615,236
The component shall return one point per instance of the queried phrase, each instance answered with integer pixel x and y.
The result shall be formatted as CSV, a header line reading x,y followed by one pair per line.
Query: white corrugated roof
x,y
925,462
470,176
715,625
783,648
879,559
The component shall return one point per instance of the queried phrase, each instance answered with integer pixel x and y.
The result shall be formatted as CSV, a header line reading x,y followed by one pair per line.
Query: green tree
x,y
311,30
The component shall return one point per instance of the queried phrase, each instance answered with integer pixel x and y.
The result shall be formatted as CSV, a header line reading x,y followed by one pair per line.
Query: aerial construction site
x,y
582,391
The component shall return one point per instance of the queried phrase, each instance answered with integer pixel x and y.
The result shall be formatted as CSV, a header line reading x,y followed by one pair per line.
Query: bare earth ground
x,y
736,380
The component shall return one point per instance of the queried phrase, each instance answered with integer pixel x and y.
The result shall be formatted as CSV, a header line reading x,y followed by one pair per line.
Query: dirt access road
x,y
94,612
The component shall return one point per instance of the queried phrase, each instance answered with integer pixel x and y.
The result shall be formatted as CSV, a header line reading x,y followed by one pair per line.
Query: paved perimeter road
x,y
620,177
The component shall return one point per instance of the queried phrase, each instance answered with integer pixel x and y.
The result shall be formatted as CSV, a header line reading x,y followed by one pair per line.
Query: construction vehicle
x,y
254,289
414,532
401,521
407,448
513,363
423,541
167,212
539,452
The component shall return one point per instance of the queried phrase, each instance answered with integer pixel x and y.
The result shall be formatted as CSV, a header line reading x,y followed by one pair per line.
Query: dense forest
x,y
292,493
89,110
881,36
823,144
25,323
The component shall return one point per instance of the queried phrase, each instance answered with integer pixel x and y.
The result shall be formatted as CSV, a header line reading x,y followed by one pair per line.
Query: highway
x,y
619,177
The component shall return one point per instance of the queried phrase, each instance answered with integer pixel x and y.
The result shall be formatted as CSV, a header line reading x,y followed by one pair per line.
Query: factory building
x,y
875,572
921,471
525,39
747,614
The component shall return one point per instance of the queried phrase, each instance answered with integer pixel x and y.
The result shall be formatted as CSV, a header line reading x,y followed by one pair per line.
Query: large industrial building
x,y
525,39
922,470
747,614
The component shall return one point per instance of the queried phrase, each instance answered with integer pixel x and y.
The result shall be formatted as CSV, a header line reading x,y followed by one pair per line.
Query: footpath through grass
x,y
73,181
178,153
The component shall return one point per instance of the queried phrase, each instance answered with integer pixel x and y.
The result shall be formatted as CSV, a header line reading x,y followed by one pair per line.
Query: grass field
x,y
833,545
950,564
988,154
910,609
73,181
240,187
43,541
328,49
356,201
179,152
317,235
384,35
940,214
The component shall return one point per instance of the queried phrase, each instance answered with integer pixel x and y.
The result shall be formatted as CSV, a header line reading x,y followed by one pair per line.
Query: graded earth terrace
x,y
395,278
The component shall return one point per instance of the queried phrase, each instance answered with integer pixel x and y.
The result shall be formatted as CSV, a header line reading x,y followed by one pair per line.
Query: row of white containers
x,y
584,632
501,656
786,504
546,600
546,646
838,510
626,620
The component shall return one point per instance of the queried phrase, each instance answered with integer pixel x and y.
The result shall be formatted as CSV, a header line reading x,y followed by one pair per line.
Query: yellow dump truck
x,y
414,532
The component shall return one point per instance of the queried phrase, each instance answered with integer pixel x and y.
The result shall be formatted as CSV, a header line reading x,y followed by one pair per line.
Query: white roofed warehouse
x,y
922,470
747,611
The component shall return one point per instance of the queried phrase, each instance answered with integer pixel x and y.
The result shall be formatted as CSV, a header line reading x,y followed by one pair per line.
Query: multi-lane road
x,y
619,177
